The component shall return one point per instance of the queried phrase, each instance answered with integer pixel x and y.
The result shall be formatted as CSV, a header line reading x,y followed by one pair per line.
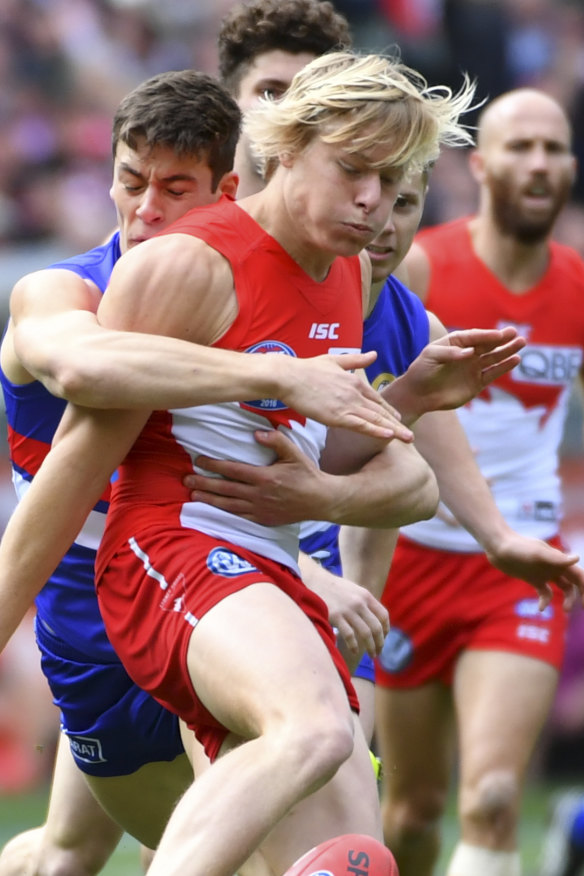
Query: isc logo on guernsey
x,y
322,330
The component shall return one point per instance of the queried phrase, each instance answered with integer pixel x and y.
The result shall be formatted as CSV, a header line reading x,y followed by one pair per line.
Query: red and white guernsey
x,y
514,426
281,309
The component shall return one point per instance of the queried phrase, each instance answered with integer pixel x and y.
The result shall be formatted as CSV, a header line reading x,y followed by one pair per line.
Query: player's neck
x,y
269,209
249,183
518,266
374,294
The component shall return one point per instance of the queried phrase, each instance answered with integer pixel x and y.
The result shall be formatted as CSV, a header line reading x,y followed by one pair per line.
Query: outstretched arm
x,y
56,338
453,368
366,553
447,373
68,484
442,441
464,490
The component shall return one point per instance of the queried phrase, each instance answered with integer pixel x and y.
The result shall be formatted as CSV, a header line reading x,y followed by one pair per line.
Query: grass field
x,y
21,812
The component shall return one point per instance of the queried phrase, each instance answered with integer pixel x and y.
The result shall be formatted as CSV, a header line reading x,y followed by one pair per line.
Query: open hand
x,y
453,369
538,563
361,621
289,490
323,389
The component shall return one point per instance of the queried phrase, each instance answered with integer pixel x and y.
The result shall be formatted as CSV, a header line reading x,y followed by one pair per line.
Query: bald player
x,y
470,656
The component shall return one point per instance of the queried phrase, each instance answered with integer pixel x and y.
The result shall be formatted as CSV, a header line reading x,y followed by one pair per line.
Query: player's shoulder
x,y
159,284
400,294
433,237
566,259
94,264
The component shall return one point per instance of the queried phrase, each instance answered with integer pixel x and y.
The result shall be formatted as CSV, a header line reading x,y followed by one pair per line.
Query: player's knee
x,y
491,805
414,817
65,862
319,745
20,855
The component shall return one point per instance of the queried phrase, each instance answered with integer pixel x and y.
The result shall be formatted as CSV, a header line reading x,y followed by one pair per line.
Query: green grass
x,y
18,813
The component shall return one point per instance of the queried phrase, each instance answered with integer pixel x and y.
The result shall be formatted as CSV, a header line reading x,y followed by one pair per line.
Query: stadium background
x,y
64,66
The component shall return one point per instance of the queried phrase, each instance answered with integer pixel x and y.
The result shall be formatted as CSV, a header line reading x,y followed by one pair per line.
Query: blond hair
x,y
363,101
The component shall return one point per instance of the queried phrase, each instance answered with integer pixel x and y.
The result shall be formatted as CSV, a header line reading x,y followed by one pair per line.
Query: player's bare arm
x,y
453,369
71,479
464,490
448,372
393,488
54,337
361,620
366,555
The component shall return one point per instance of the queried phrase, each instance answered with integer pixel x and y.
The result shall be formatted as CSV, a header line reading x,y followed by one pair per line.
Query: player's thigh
x,y
144,800
348,803
414,732
502,700
256,657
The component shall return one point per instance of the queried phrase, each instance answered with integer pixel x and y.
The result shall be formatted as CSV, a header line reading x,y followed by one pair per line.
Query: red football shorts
x,y
442,603
157,587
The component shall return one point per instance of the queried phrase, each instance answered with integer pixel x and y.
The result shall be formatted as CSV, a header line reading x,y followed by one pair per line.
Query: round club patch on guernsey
x,y
269,404
397,651
224,562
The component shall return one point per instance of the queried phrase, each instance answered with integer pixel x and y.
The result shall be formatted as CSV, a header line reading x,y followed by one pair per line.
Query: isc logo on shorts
x,y
225,562
533,633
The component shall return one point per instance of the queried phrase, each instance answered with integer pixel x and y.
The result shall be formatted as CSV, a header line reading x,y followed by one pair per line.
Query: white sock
x,y
470,860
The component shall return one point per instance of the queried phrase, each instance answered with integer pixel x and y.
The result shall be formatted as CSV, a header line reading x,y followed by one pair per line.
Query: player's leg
x,y
331,810
124,742
143,800
261,668
502,700
77,838
414,737
256,864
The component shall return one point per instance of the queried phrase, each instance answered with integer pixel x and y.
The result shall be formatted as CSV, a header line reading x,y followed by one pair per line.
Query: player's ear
x,y
286,158
228,184
477,165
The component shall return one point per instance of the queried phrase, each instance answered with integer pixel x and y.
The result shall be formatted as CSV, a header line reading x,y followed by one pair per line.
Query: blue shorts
x,y
365,669
113,726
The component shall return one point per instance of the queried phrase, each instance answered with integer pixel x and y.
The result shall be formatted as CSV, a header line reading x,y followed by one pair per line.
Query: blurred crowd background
x,y
65,65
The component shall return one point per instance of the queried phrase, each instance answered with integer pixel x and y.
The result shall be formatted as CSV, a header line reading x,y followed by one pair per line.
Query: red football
x,y
352,854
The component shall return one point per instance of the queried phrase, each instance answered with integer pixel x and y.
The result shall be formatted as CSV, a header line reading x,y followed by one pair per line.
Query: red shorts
x,y
442,603
152,594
